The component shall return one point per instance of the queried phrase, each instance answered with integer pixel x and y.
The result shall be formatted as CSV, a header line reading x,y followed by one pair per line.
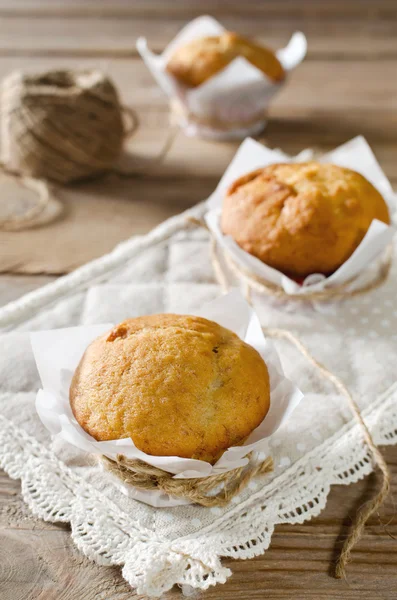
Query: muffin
x,y
301,218
176,385
194,63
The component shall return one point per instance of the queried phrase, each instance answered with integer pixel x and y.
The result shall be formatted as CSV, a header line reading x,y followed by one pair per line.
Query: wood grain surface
x,y
347,86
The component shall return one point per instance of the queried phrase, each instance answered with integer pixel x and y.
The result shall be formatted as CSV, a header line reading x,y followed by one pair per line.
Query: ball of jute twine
x,y
146,477
373,505
62,126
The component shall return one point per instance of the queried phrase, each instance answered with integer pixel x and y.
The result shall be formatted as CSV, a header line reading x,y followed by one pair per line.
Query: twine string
x,y
252,281
64,126
146,477
131,121
376,502
30,216
369,508
342,290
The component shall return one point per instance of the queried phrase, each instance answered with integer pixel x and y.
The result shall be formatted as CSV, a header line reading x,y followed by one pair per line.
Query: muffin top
x,y
301,218
176,385
200,59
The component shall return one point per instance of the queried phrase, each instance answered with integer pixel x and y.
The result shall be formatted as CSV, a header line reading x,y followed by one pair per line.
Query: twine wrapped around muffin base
x,y
146,477
261,286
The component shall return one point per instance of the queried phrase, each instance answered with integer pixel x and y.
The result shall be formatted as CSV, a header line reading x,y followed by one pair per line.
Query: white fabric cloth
x,y
169,270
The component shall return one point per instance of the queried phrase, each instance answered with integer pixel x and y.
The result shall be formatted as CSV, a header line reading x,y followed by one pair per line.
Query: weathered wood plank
x,y
182,161
350,89
365,36
325,87
297,565
97,217
157,8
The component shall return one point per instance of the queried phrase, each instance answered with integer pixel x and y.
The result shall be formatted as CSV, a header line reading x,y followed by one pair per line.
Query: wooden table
x,y
347,86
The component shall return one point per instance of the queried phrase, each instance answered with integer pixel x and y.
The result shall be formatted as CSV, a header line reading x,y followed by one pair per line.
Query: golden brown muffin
x,y
197,61
301,218
176,385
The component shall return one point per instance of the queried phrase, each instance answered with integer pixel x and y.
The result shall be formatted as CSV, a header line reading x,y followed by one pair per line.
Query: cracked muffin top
x,y
301,218
193,63
176,385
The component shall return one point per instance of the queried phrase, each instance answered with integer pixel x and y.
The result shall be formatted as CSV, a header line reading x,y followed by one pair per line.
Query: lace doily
x,y
157,548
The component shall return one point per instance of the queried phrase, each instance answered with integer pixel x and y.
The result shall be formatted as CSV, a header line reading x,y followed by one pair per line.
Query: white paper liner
x,y
238,93
355,154
58,353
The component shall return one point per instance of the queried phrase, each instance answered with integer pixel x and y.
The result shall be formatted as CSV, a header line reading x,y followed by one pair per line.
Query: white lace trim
x,y
152,565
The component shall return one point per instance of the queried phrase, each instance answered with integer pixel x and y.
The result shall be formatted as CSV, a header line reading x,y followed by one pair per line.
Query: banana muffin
x,y
301,218
194,63
176,385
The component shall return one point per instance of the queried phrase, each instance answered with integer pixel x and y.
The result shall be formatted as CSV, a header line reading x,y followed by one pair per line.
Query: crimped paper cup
x,y
232,103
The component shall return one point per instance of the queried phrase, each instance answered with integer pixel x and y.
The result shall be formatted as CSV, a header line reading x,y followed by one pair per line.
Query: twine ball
x,y
61,125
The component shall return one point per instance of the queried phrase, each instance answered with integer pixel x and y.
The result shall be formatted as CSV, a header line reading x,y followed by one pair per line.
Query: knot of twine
x,y
260,285
373,505
146,477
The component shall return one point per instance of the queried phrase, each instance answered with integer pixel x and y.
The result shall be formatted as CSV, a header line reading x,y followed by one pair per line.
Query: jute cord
x,y
372,506
31,215
64,126
146,477
259,285
42,188
376,502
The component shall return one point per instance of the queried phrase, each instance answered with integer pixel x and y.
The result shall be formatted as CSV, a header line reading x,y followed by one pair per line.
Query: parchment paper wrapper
x,y
355,154
232,102
58,352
